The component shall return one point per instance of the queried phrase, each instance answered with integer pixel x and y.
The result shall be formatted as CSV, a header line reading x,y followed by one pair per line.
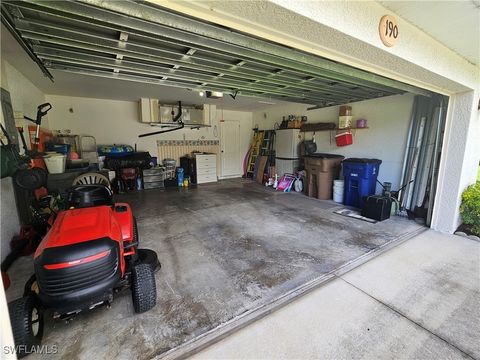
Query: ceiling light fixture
x,y
214,94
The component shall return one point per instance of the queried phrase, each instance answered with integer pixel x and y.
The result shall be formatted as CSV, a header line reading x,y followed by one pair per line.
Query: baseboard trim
x,y
230,177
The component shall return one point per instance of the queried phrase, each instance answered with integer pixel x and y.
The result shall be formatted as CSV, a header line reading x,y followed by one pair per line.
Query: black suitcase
x,y
377,207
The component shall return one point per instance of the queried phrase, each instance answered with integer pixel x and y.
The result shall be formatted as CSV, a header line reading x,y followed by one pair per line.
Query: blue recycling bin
x,y
360,177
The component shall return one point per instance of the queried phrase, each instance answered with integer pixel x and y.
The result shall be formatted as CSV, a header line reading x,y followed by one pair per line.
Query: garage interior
x,y
231,248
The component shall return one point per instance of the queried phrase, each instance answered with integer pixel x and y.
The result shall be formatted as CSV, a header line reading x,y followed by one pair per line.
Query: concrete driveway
x,y
420,300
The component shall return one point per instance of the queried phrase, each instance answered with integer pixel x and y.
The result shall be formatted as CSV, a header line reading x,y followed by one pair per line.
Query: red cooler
x,y
344,139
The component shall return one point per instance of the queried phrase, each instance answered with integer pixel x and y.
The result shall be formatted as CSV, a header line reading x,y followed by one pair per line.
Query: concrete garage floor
x,y
418,301
231,252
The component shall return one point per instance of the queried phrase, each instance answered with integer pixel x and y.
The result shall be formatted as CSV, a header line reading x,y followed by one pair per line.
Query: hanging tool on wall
x,y
176,119
22,138
42,110
22,168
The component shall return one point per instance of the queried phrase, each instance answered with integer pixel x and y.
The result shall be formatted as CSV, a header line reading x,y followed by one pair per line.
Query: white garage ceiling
x,y
456,24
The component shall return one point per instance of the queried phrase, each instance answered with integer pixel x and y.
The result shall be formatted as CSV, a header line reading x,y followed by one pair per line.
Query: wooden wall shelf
x,y
352,128
336,129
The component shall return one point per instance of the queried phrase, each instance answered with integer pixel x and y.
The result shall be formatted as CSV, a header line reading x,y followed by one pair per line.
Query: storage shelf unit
x,y
336,129
352,128
206,166
154,178
190,126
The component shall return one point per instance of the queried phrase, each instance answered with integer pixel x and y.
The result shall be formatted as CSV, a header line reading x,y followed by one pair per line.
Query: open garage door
x,y
142,42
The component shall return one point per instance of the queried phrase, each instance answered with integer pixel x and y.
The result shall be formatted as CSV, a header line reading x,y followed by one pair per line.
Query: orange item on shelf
x,y
45,136
345,111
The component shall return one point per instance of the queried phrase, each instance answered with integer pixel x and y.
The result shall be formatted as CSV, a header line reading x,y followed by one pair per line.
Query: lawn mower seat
x,y
82,196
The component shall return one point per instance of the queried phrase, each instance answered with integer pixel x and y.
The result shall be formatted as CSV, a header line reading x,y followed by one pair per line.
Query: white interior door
x,y
230,154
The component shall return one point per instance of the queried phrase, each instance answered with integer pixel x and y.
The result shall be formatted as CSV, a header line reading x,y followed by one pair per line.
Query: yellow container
x,y
344,122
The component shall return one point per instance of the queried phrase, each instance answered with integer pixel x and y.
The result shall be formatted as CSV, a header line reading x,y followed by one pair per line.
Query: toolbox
x,y
377,207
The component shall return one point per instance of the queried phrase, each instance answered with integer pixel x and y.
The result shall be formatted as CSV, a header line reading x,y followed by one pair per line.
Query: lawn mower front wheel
x,y
26,317
147,256
144,289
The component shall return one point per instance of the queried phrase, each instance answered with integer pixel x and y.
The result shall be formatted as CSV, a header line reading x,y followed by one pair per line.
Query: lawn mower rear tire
x,y
144,289
26,318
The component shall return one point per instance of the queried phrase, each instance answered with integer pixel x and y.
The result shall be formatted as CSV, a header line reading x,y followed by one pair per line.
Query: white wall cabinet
x,y
148,110
152,111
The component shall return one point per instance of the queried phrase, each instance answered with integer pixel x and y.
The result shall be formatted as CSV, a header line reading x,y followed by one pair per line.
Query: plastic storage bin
x,y
58,148
55,163
338,189
321,169
361,123
154,178
344,122
360,177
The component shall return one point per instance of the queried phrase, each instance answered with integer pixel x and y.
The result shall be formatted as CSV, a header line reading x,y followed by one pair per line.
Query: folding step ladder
x,y
255,151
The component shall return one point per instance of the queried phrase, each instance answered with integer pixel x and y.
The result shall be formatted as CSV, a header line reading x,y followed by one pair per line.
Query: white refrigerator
x,y
287,154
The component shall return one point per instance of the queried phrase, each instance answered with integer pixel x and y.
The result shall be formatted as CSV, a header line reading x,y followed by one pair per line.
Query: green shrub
x,y
470,208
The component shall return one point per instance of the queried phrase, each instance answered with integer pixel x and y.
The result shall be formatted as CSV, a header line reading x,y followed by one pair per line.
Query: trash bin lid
x,y
363,161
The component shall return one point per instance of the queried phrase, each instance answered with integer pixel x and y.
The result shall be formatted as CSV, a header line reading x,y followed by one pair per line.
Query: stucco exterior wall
x,y
460,160
344,31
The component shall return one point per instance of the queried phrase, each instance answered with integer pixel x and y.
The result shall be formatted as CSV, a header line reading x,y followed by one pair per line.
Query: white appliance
x,y
287,154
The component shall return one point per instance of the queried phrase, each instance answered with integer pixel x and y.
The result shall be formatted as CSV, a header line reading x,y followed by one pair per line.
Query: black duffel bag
x,y
136,160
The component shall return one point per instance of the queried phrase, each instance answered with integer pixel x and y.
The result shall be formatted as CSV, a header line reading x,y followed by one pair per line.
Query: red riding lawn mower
x,y
89,253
